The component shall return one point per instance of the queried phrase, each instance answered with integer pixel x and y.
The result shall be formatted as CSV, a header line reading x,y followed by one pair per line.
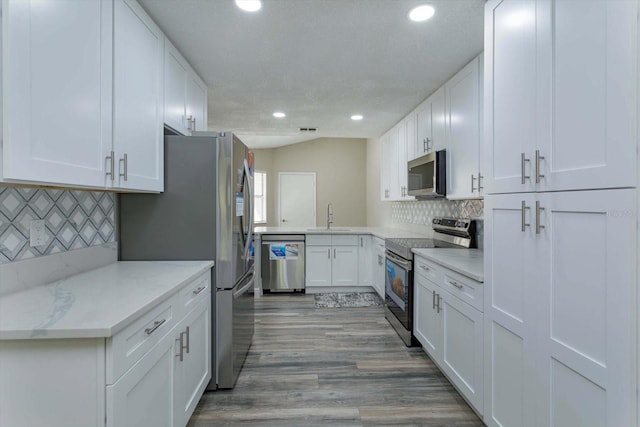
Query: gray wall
x,y
340,165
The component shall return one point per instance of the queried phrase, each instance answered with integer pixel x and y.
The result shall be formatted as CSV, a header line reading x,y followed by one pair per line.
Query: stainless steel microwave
x,y
427,175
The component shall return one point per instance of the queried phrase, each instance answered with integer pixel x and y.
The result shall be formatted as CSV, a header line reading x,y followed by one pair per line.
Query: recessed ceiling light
x,y
249,5
279,115
356,117
421,13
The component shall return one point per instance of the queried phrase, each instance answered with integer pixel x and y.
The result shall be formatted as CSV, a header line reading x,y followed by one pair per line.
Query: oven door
x,y
399,288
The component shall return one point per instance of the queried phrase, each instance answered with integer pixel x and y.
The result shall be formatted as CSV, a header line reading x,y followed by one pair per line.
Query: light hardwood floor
x,y
338,366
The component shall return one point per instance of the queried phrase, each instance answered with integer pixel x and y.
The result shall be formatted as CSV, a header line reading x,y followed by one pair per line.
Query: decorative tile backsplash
x,y
421,212
73,219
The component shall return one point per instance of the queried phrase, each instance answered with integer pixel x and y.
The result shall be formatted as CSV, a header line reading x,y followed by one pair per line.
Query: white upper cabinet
x,y
196,103
83,95
561,96
463,119
175,71
138,99
430,124
395,152
185,102
57,80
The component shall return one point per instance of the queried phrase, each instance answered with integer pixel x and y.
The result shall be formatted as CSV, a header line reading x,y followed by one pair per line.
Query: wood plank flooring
x,y
336,366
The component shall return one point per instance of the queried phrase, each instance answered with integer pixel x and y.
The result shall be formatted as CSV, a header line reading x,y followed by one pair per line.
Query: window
x,y
260,197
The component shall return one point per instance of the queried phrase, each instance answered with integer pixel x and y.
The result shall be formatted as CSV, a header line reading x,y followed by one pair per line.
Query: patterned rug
x,y
352,299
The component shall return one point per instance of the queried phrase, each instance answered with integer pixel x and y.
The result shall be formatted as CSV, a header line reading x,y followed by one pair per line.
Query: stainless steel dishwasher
x,y
282,262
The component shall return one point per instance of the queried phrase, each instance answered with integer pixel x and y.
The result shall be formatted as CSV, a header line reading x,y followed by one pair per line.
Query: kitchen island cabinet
x,y
126,344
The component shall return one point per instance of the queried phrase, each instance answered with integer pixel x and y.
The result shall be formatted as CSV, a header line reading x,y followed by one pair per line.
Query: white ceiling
x,y
319,61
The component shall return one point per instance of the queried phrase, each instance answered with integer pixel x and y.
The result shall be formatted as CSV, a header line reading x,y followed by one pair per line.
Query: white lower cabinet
x,y
451,332
193,363
364,260
318,267
152,373
144,395
331,260
559,309
165,385
377,273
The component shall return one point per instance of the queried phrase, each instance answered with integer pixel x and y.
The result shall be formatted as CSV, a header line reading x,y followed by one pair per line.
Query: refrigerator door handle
x,y
244,288
249,191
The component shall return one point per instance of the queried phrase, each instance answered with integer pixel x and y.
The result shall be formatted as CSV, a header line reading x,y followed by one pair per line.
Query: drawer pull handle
x,y
424,267
456,284
155,326
200,289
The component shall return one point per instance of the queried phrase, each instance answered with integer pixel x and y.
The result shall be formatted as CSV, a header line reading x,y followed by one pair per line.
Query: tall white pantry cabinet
x,y
561,115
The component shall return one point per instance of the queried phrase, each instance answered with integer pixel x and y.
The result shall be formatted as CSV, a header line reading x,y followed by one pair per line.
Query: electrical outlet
x,y
37,233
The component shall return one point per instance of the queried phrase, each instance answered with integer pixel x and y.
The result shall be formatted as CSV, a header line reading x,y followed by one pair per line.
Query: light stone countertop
x,y
468,262
383,233
94,304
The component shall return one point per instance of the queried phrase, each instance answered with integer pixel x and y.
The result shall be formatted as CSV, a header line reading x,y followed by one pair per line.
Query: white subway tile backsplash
x,y
73,219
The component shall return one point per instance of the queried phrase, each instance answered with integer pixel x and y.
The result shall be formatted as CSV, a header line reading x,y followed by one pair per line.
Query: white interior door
x,y
297,199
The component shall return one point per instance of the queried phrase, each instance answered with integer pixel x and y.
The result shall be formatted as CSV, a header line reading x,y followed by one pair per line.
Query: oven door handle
x,y
400,261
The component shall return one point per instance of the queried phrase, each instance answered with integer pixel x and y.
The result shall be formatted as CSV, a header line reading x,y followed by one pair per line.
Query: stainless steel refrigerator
x,y
205,213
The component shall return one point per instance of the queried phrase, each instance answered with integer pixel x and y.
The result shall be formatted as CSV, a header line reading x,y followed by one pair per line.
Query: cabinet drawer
x,y
318,240
129,345
195,291
342,240
428,269
466,289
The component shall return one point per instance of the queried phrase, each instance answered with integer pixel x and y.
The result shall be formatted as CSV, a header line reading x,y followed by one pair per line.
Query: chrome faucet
x,y
329,216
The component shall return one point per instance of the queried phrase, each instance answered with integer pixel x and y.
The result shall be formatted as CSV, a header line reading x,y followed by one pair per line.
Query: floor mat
x,y
351,299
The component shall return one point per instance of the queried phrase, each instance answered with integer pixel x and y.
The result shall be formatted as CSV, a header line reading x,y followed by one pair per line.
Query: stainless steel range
x,y
448,233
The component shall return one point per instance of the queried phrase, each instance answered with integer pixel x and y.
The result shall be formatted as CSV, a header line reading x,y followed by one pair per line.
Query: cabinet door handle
x,y
112,166
124,161
188,339
194,124
523,161
361,242
480,187
456,284
473,180
434,300
190,123
181,355
334,254
439,303
329,253
155,326
524,208
200,289
538,209
424,267
538,174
